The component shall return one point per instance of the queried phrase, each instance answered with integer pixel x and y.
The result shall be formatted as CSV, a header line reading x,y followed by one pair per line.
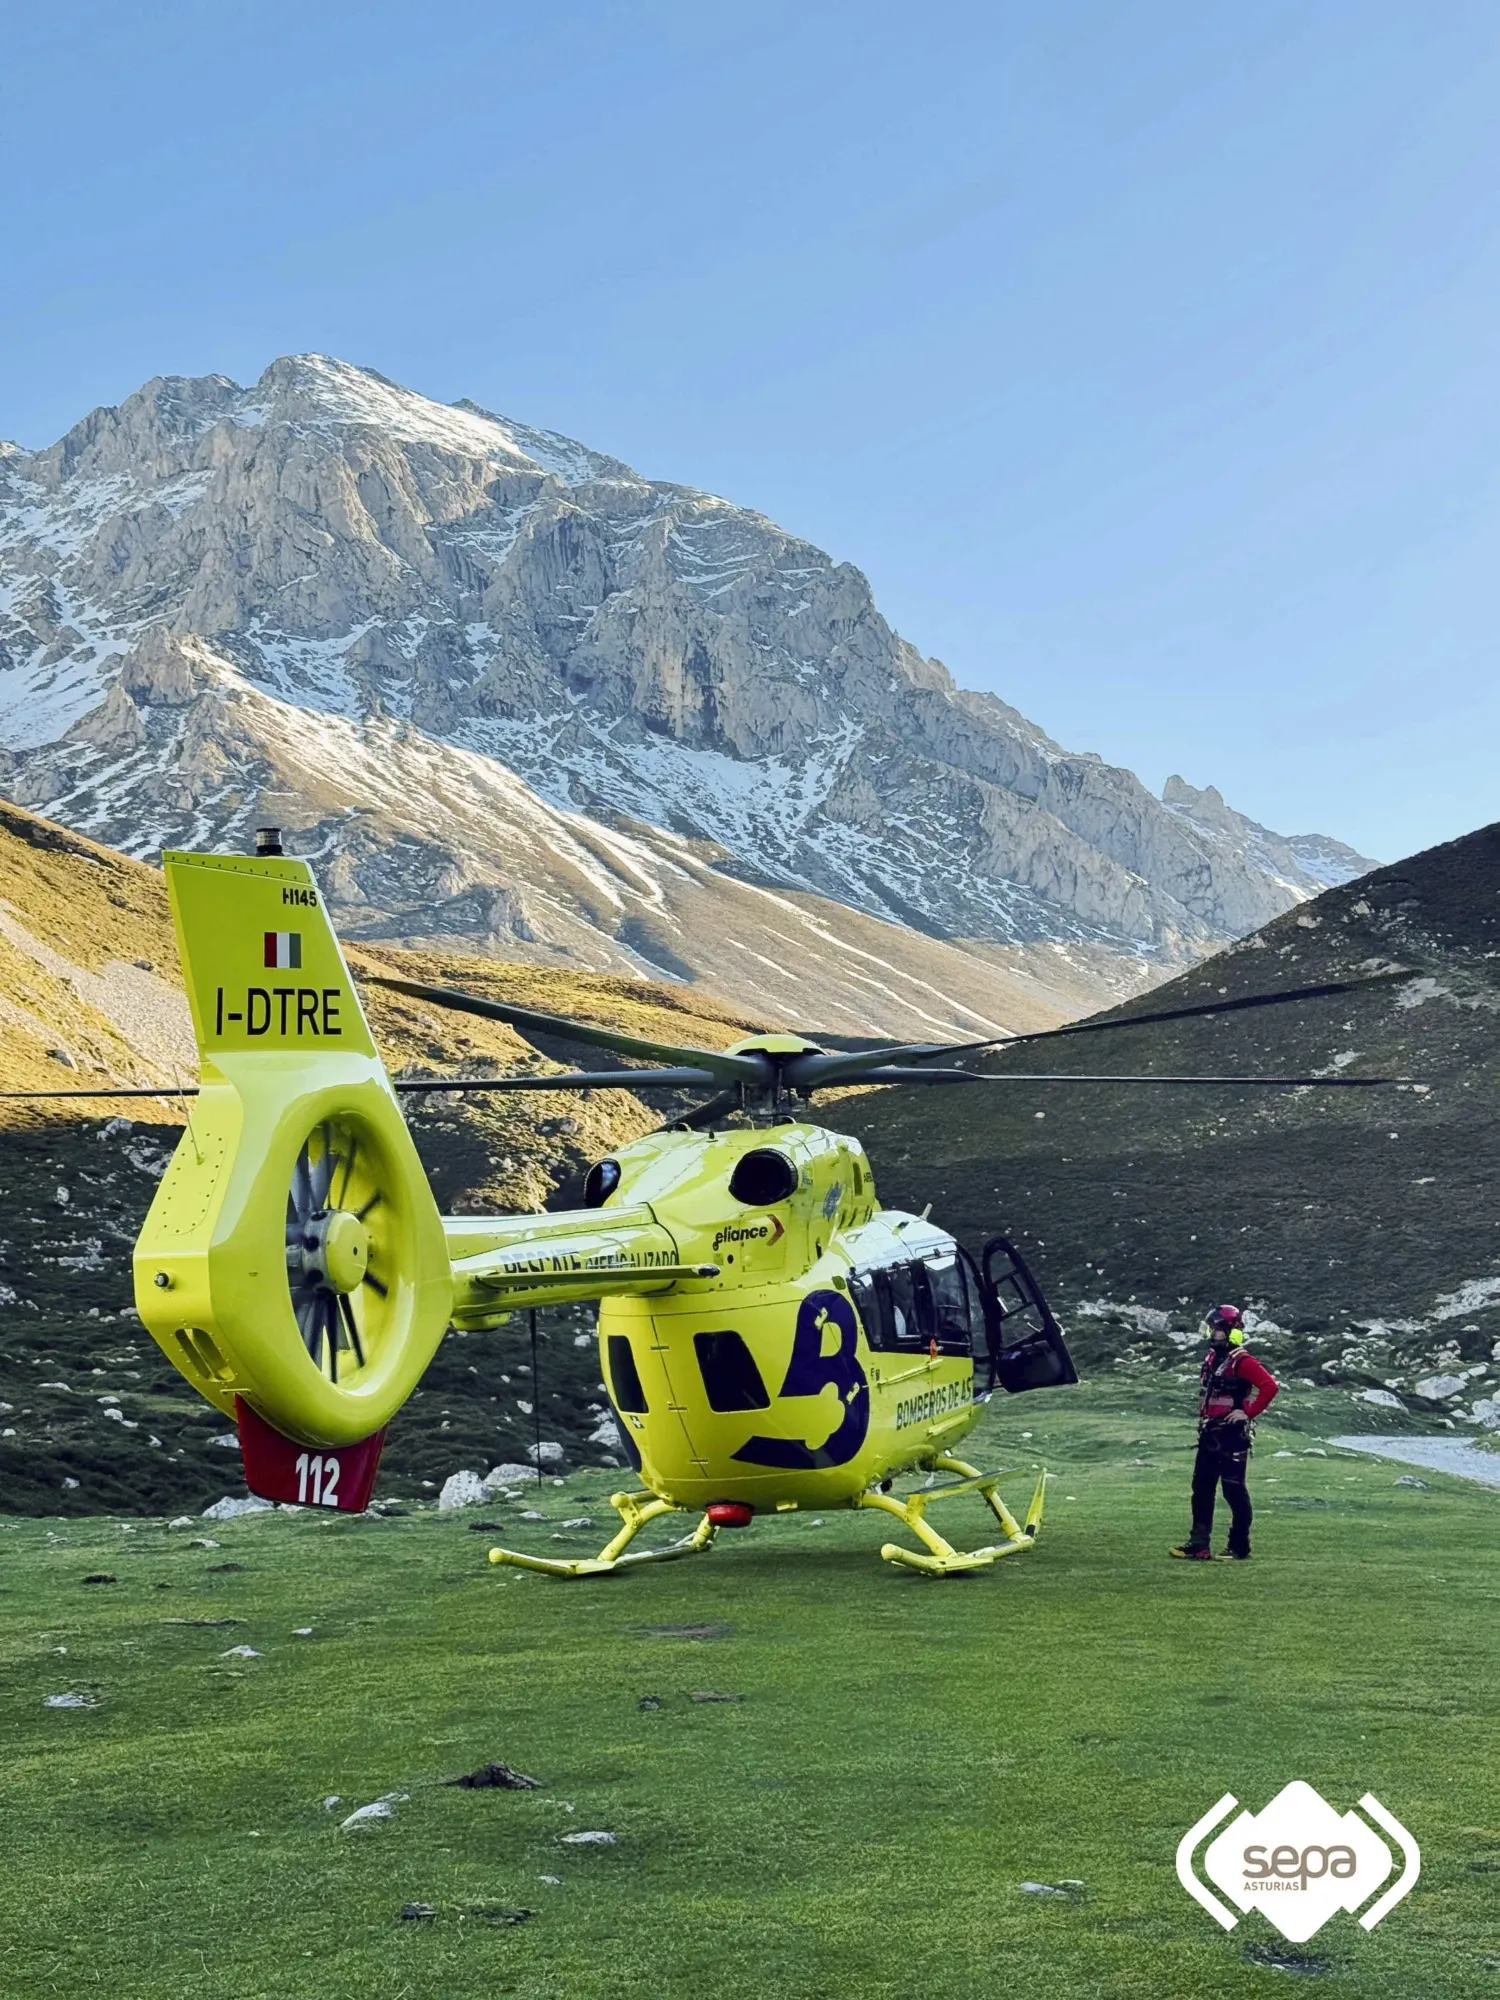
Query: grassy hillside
x,y
1330,1210
892,1759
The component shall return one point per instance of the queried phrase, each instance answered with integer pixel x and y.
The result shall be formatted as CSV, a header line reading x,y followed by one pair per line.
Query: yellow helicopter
x,y
771,1338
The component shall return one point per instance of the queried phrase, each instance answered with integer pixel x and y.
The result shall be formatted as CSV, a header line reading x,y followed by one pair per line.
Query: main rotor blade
x,y
599,1079
112,1090
1328,990
895,1075
815,1070
528,1022
706,1114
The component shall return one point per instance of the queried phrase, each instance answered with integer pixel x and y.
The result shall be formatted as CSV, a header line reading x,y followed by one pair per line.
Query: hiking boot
x,y
1189,1554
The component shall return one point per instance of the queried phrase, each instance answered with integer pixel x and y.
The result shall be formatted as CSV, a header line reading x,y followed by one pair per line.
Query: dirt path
x,y
1453,1455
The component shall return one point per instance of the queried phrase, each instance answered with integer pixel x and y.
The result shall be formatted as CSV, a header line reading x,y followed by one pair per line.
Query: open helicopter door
x,y
1027,1349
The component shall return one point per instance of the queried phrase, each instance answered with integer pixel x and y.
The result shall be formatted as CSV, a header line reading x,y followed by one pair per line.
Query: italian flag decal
x,y
283,951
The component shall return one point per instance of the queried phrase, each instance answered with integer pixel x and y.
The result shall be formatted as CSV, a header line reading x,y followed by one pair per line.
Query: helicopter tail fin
x,y
264,971
293,1261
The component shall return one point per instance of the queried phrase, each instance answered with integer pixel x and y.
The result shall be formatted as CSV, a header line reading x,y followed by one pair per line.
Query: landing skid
x,y
942,1558
634,1510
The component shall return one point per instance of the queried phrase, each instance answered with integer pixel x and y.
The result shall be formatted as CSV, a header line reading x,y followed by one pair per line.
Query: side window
x,y
624,1376
730,1376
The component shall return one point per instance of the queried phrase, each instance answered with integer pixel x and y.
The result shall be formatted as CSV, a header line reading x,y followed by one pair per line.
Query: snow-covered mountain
x,y
502,686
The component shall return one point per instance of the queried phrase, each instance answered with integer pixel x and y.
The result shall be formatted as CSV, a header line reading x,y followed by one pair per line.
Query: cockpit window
x,y
908,1307
955,1309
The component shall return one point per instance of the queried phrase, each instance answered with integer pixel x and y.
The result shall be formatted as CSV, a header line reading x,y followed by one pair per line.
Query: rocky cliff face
x,y
502,686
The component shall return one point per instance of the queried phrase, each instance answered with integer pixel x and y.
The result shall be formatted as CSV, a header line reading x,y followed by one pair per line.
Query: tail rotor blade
x,y
351,1328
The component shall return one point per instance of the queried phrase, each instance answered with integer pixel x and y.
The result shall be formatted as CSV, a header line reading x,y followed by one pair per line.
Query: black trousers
x,y
1212,1468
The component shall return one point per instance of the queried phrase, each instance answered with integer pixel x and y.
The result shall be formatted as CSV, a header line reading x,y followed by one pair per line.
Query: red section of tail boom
x,y
278,1468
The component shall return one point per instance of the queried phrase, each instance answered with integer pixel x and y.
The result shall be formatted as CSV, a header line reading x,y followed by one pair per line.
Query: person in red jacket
x,y
1235,1389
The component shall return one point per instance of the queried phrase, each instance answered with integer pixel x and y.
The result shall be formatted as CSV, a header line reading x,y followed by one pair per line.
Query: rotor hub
x,y
332,1246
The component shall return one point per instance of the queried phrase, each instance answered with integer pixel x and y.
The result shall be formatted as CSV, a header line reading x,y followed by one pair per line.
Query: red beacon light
x,y
729,1513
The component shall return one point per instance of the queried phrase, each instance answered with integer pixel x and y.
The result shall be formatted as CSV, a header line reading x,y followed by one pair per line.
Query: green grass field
x,y
902,1756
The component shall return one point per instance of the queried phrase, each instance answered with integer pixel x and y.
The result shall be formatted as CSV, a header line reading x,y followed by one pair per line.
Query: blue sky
x,y
1143,355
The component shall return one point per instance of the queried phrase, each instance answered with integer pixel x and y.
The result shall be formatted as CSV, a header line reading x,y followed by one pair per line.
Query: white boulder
x,y
1438,1388
508,1475
230,1509
461,1489
1381,1398
546,1453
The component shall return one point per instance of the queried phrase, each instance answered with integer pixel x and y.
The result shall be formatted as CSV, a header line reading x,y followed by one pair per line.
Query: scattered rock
x,y
546,1453
649,1701
492,1913
552,1881
416,1913
71,1485
1438,1388
1278,1959
1407,1479
582,1521
302,1631
241,1653
486,1528
496,1777
67,1701
203,1542
594,1839
1381,1398
461,1489
100,1576
509,1475
532,1515
331,1801
230,1509
381,1808
1043,1889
